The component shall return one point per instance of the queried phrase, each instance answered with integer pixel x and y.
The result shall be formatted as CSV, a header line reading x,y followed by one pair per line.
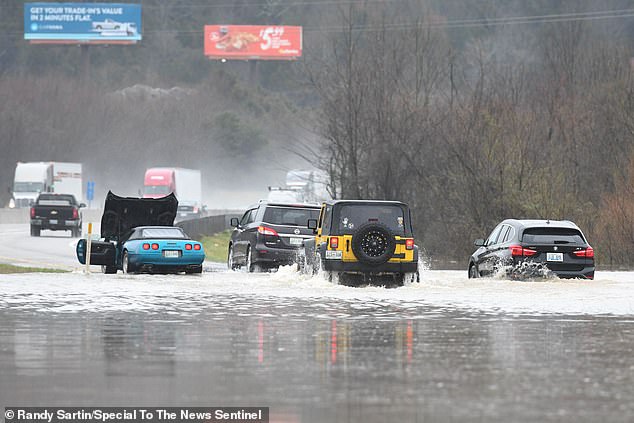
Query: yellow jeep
x,y
363,240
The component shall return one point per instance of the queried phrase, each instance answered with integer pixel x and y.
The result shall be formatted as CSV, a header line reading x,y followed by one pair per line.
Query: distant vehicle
x,y
533,248
56,212
313,184
107,25
363,241
285,195
270,235
139,236
186,184
33,178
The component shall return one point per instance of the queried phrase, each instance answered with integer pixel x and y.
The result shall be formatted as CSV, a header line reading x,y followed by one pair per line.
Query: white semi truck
x,y
33,178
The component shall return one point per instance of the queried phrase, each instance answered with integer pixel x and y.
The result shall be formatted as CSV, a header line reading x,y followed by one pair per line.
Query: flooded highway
x,y
447,349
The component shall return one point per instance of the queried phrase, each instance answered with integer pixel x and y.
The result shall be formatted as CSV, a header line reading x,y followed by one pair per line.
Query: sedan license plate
x,y
171,253
334,255
53,221
555,257
296,241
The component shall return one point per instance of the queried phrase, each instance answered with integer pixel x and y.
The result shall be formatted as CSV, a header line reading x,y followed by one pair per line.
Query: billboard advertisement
x,y
245,42
94,23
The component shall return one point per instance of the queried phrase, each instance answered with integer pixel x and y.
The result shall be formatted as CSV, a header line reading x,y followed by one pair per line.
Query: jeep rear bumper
x,y
359,267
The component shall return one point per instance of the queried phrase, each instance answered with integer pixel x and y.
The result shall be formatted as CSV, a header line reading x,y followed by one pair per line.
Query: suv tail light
x,y
587,253
75,213
32,211
519,251
267,231
334,243
409,244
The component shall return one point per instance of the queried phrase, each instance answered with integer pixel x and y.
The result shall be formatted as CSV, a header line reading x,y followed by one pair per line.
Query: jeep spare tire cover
x,y
373,243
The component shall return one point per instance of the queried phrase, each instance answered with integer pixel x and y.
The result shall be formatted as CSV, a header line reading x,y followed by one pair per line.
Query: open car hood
x,y
121,214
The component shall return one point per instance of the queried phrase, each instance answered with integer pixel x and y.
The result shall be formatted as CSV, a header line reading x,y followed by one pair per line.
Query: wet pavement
x,y
445,350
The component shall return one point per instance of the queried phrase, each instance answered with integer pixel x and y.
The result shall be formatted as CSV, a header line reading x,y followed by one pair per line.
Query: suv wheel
x,y
231,264
251,267
473,271
373,243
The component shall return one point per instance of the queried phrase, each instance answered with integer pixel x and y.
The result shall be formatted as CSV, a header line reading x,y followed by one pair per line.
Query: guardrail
x,y
210,225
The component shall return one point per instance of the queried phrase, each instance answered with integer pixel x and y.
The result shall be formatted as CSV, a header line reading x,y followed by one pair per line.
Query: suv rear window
x,y
289,216
552,236
351,217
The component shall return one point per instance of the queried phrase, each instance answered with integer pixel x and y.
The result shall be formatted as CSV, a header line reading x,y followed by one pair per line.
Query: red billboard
x,y
245,42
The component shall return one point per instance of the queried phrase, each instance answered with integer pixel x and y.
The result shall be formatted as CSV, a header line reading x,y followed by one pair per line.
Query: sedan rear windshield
x,y
351,217
552,236
289,216
162,233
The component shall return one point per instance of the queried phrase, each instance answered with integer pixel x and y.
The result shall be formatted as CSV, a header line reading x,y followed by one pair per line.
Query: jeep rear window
x,y
289,216
171,233
552,236
351,217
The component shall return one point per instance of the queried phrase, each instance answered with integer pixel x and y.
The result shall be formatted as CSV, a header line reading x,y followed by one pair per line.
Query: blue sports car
x,y
139,236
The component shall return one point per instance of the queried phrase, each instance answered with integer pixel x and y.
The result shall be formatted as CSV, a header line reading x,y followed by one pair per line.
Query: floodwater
x,y
447,349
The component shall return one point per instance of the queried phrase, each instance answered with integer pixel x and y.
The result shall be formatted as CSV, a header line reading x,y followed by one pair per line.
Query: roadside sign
x,y
90,191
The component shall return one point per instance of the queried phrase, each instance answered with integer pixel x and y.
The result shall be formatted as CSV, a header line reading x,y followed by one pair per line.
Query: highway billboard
x,y
92,23
245,42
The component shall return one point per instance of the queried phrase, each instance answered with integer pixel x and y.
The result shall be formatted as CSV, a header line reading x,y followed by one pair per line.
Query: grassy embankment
x,y
9,268
216,246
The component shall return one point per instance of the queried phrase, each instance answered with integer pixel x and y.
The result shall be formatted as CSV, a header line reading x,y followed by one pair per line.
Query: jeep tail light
x,y
334,242
146,246
519,251
32,212
267,231
188,246
409,244
75,213
155,246
197,247
587,253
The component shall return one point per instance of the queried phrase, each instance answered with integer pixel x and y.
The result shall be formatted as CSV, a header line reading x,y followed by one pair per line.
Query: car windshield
x,y
290,216
28,187
351,217
552,236
171,233
157,189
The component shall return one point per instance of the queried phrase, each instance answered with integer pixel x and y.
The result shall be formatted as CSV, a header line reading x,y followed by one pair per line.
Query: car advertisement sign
x,y
94,23
244,42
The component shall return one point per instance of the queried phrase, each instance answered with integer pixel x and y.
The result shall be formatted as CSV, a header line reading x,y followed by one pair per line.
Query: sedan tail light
x,y
155,246
267,231
146,246
197,247
519,251
587,253
188,246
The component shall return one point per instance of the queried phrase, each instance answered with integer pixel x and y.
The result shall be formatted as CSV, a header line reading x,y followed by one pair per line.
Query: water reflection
x,y
315,361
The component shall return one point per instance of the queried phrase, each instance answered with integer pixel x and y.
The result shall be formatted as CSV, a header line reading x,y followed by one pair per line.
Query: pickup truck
x,y
56,212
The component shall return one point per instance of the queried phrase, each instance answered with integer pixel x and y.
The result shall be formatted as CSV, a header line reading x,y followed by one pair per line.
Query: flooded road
x,y
447,349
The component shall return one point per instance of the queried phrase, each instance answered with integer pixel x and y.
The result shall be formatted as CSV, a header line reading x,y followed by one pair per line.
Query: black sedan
x,y
533,248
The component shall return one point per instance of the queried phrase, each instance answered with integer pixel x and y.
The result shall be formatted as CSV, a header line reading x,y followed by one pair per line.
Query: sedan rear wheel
x,y
127,268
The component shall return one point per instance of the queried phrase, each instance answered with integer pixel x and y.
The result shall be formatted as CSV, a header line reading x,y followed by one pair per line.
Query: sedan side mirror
x,y
234,222
479,242
82,205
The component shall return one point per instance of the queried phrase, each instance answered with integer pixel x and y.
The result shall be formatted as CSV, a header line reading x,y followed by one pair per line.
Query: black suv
x,y
530,248
269,235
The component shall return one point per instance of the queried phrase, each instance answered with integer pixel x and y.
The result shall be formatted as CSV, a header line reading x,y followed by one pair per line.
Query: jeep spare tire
x,y
373,243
